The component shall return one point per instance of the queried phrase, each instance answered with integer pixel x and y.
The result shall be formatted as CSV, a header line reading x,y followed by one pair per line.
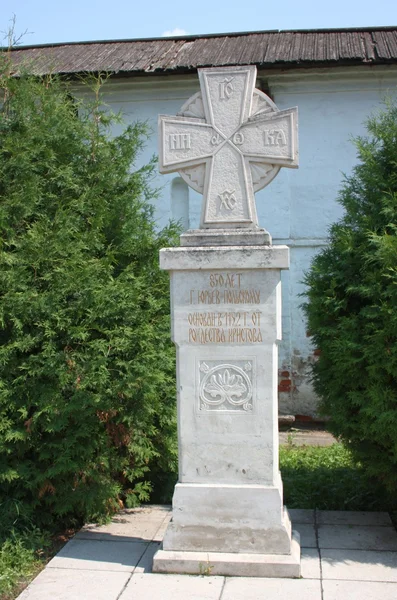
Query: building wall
x,y
298,207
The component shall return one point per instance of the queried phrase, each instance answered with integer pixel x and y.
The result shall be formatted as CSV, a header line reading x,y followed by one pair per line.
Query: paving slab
x,y
99,556
172,587
129,524
306,437
359,565
145,563
121,532
300,515
68,584
148,509
247,588
307,534
310,563
357,537
94,568
158,537
351,517
358,590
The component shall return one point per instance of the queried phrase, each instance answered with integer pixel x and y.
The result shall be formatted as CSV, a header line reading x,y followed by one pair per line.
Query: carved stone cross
x,y
227,142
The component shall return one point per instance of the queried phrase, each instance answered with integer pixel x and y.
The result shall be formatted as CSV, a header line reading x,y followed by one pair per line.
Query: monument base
x,y
228,518
225,529
231,564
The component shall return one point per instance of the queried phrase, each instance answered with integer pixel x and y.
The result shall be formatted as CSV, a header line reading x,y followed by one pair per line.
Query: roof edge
x,y
198,36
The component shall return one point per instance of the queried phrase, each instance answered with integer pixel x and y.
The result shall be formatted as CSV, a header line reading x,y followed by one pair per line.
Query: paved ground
x,y
345,556
305,436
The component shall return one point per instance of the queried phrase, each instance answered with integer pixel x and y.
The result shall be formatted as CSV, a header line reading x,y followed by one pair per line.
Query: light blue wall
x,y
299,205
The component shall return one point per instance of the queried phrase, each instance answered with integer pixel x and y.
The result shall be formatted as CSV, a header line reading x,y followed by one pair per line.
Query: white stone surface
x,y
357,537
172,587
359,565
226,323
225,237
228,518
271,589
231,564
99,556
358,590
228,140
230,258
72,584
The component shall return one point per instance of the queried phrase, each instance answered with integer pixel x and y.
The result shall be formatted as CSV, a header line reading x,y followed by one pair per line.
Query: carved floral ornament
x,y
226,387
228,141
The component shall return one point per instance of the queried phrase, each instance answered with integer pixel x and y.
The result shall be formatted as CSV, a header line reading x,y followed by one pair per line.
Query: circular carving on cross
x,y
228,141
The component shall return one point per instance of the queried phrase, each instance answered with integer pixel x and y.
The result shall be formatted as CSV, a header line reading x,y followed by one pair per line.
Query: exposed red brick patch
x,y
305,418
285,385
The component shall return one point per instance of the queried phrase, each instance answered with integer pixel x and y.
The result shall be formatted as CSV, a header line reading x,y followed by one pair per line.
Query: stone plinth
x,y
226,324
226,237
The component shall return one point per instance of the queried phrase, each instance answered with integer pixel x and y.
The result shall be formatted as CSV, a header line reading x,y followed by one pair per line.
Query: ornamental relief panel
x,y
226,386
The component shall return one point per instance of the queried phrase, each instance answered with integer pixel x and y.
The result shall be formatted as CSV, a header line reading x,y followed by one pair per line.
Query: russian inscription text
x,y
222,323
226,88
179,141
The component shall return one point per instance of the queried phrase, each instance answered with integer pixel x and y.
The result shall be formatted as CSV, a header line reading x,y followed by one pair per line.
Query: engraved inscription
x,y
179,141
216,139
238,138
226,88
225,386
275,137
213,318
228,199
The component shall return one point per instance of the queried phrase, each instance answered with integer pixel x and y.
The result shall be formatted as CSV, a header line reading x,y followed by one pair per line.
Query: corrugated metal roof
x,y
265,49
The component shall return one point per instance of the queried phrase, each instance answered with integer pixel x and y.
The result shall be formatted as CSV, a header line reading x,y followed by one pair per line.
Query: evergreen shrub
x,y
87,391
352,306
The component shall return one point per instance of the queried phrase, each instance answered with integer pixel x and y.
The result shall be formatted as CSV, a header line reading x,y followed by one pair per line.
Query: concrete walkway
x,y
345,556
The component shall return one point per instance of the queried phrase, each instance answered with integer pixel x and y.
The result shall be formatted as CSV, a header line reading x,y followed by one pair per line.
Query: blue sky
x,y
78,20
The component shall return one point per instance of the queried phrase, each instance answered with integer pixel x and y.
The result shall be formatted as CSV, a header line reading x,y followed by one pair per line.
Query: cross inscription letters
x,y
229,140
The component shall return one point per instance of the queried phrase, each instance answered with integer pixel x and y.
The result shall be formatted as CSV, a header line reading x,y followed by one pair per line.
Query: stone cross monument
x,y
228,141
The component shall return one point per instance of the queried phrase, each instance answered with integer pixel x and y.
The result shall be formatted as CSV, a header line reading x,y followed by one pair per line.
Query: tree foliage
x,y
352,305
87,387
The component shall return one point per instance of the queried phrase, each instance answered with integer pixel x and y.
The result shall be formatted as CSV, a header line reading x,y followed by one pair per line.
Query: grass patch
x,y
329,479
22,556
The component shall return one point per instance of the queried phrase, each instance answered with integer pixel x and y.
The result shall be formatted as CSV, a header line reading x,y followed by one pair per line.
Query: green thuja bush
x,y
352,306
87,416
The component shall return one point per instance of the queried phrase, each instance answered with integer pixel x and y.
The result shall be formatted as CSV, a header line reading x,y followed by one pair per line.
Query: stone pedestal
x,y
228,514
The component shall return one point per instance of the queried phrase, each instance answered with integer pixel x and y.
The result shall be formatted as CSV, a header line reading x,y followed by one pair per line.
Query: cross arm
x,y
272,138
184,142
